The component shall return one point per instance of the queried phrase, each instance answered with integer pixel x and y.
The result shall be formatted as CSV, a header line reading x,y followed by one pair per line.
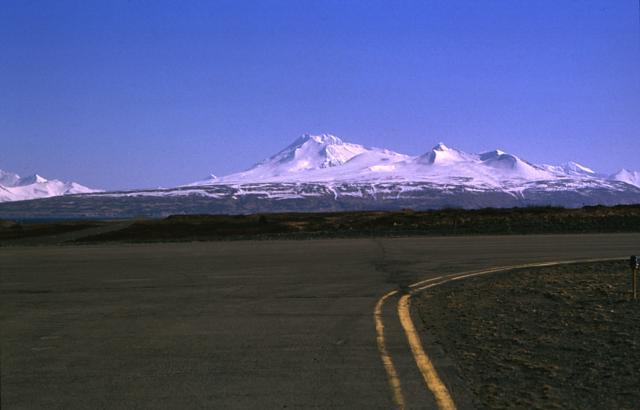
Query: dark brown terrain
x,y
565,337
181,228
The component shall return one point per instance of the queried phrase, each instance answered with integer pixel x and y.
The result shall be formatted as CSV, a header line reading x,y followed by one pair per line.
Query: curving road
x,y
252,324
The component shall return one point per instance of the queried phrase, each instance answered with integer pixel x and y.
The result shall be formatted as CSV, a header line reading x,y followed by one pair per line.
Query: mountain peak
x,y
496,153
31,179
8,178
630,177
624,171
308,152
326,139
316,151
441,154
578,168
319,139
441,147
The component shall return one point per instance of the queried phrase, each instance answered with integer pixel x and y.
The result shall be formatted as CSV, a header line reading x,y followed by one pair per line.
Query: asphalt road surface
x,y
248,324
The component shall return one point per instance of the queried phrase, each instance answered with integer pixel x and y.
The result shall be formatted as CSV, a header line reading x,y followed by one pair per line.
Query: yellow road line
x,y
468,274
413,285
429,373
392,374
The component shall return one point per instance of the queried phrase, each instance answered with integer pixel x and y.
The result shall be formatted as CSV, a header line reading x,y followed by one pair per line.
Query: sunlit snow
x,y
14,188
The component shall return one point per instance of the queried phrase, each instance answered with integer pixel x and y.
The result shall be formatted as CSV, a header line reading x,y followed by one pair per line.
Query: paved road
x,y
254,324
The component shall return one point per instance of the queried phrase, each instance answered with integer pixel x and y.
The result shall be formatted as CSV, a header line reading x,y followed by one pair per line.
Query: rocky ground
x,y
556,337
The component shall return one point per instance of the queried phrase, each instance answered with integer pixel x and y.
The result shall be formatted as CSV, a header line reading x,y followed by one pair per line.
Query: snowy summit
x,y
326,158
15,188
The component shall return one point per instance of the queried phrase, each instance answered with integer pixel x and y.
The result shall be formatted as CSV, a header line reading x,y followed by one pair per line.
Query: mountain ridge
x,y
325,158
16,188
324,173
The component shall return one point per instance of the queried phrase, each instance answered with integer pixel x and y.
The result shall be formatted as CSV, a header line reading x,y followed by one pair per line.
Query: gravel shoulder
x,y
555,337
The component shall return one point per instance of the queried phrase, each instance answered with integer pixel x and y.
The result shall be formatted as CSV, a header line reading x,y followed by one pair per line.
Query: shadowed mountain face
x,y
324,173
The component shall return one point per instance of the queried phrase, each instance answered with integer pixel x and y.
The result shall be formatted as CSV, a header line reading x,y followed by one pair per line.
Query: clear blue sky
x,y
123,94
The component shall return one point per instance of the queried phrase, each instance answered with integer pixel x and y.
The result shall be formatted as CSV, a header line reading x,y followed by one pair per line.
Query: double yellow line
x,y
424,363
392,374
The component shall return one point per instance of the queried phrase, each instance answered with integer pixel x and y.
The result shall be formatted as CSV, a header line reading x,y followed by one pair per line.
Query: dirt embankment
x,y
556,337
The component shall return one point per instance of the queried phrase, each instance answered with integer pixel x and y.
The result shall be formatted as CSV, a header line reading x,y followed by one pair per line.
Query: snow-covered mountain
x,y
15,188
315,158
327,159
324,173
630,177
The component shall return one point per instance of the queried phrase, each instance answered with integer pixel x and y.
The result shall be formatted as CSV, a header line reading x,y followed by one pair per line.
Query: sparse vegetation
x,y
351,224
10,230
557,337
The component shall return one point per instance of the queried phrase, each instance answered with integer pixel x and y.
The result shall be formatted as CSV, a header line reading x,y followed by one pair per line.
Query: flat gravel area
x,y
556,337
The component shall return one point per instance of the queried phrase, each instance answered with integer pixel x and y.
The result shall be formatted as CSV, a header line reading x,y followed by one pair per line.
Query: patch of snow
x,y
630,177
14,188
8,179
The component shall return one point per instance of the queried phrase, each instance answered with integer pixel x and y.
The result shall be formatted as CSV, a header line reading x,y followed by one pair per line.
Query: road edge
x,y
433,382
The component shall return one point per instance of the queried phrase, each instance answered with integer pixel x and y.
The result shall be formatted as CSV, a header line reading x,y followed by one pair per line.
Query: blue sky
x,y
123,94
